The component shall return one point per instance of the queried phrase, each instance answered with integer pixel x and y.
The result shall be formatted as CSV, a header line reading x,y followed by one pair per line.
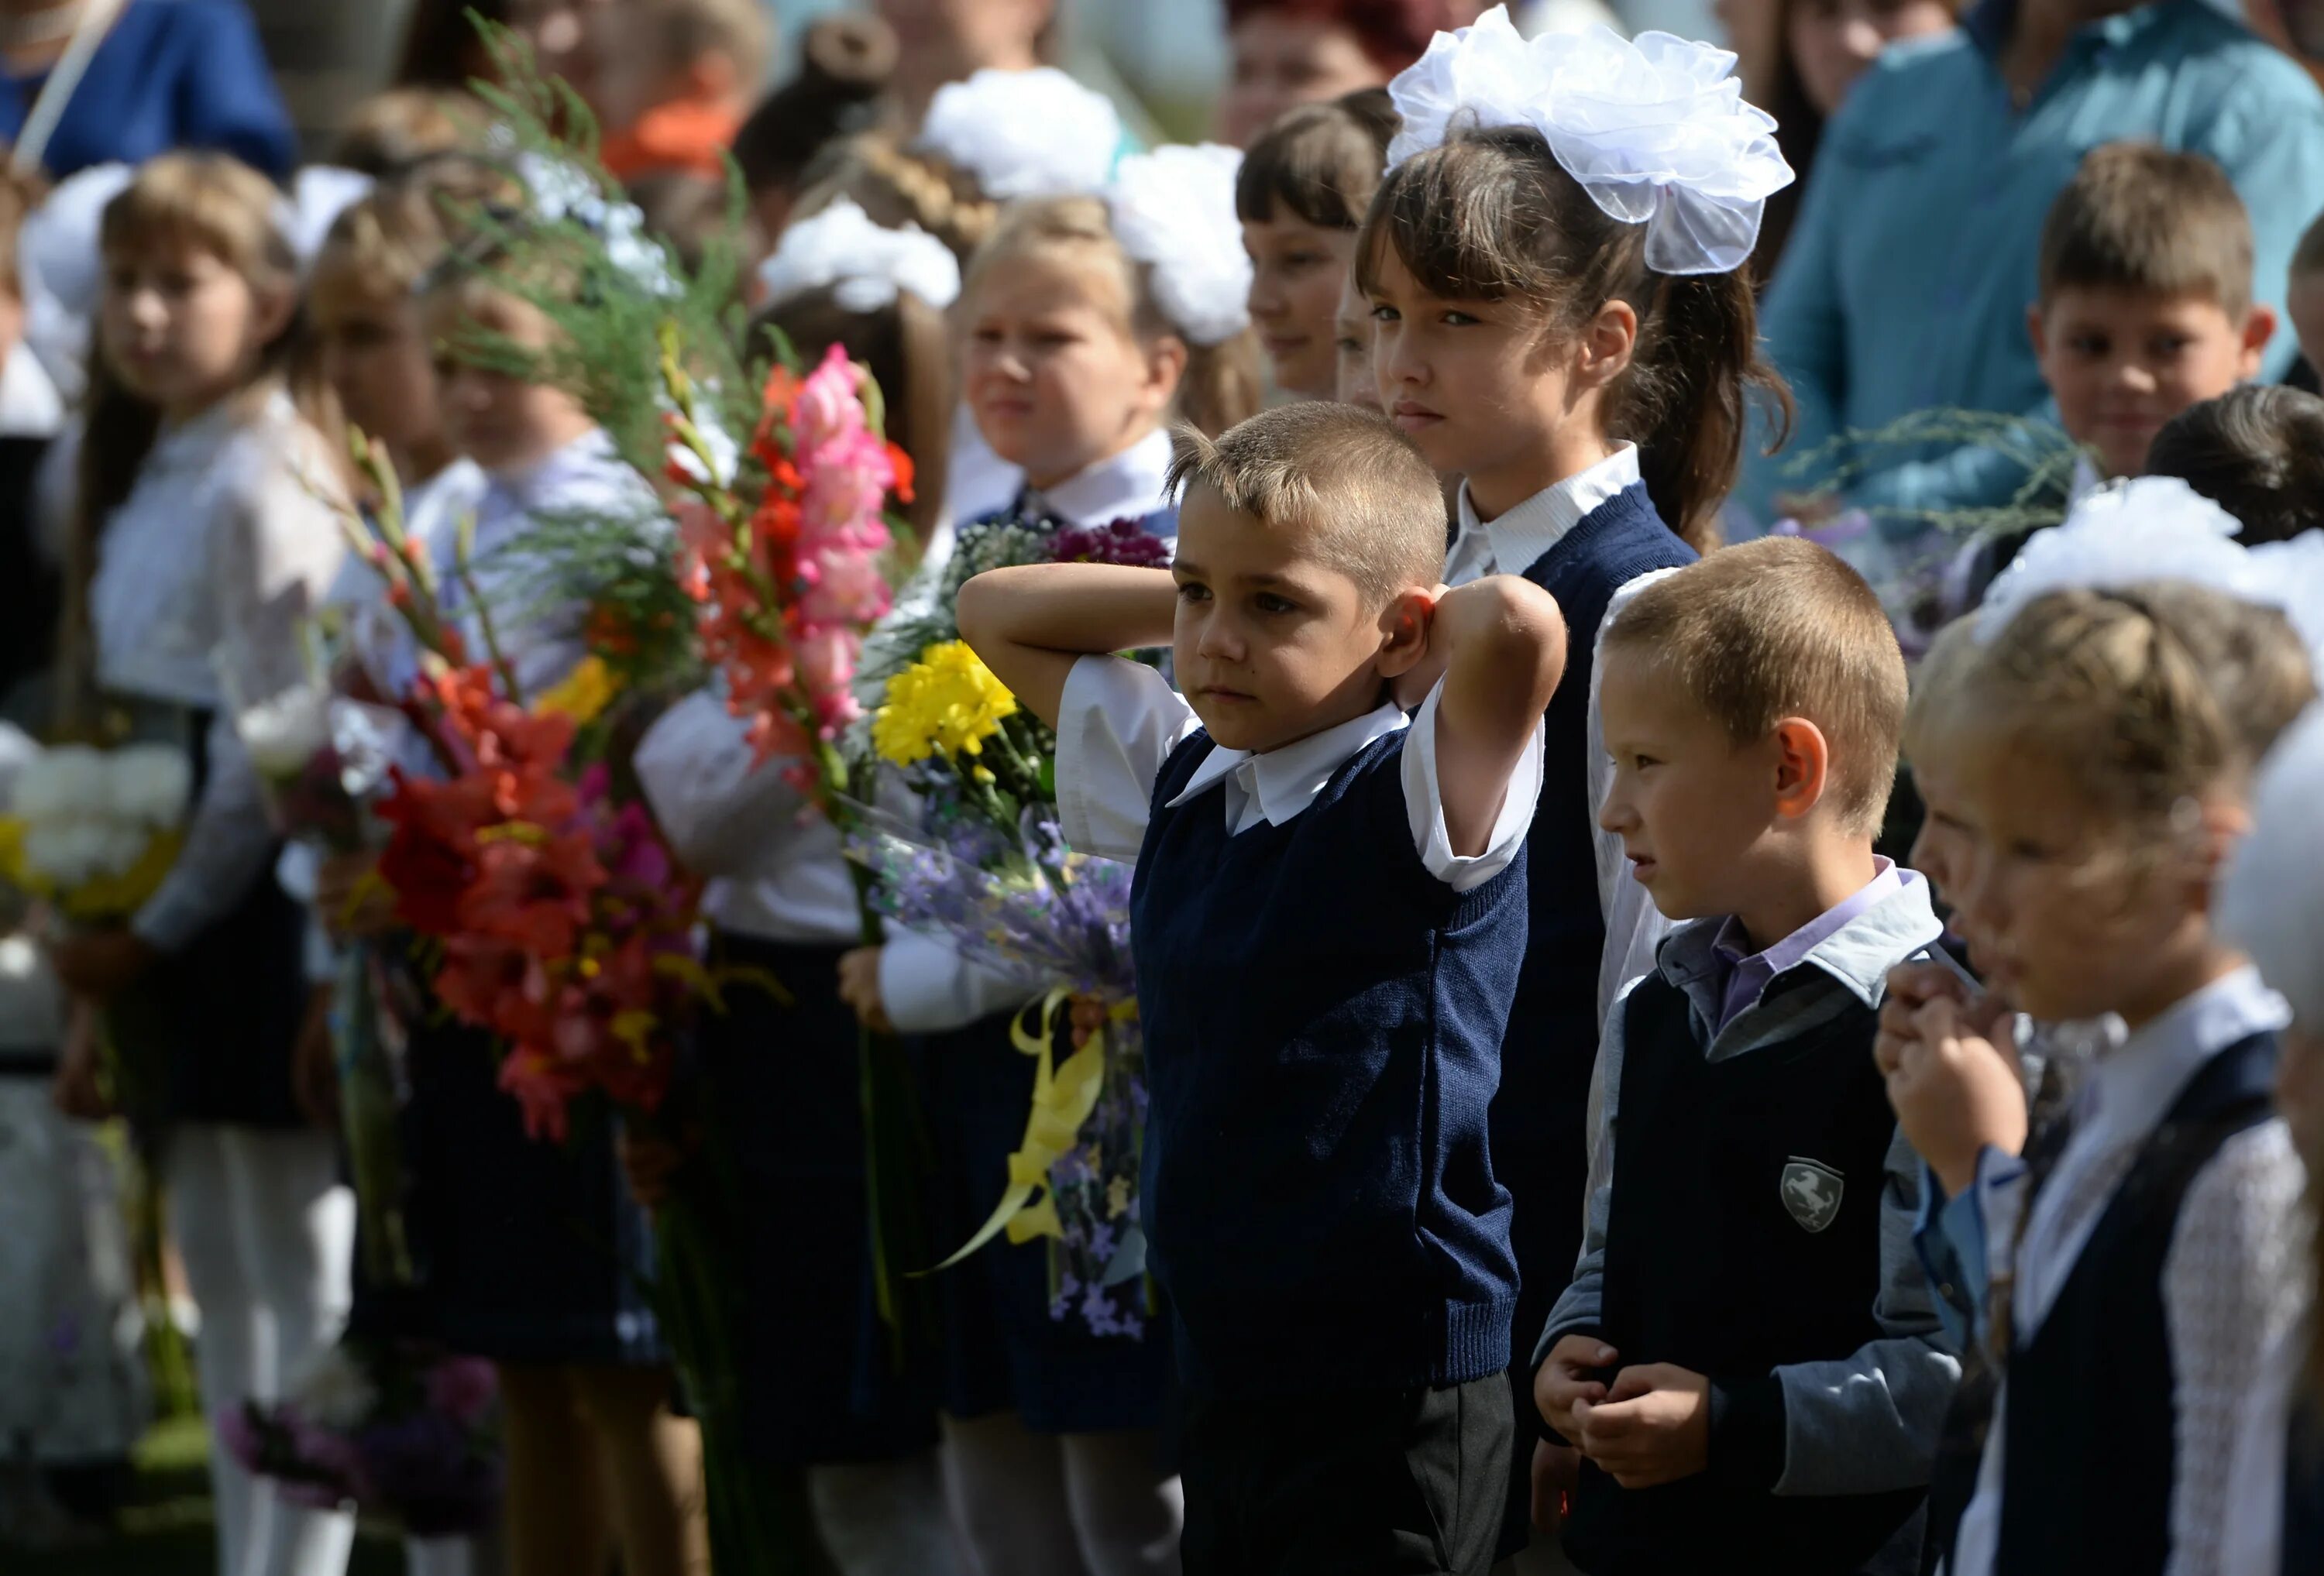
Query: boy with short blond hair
x,y
2145,305
1746,1359
1329,916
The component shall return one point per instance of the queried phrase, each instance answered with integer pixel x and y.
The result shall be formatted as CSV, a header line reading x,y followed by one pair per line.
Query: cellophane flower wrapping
x,y
396,1429
95,832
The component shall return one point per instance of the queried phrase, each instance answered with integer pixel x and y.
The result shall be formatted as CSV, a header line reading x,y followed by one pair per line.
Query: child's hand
x,y
1556,1473
1412,686
349,897
1566,1378
1954,1088
76,1092
859,987
101,963
1653,1426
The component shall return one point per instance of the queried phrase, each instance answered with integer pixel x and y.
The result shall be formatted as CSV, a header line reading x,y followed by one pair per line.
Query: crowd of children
x,y
1568,1138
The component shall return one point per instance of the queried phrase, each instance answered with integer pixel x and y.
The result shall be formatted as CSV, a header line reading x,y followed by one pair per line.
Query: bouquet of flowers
x,y
94,832
393,1430
321,756
988,870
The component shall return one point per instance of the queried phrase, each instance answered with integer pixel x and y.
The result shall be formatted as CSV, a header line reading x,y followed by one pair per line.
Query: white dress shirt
x,y
2230,1281
1120,720
1510,544
1125,486
226,533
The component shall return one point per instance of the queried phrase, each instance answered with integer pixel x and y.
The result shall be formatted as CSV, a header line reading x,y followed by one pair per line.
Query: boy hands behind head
x,y
2145,303
1329,921
1743,1356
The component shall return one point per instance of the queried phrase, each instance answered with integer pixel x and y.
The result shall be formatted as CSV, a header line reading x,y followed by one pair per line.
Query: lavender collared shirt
x,y
1749,976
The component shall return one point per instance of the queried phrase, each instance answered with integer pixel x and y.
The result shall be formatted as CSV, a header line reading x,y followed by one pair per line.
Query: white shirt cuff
x,y
1423,803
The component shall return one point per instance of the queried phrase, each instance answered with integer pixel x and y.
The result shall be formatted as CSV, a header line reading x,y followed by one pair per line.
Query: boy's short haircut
x,y
1782,628
1374,507
2140,217
2308,256
2257,452
1321,160
736,29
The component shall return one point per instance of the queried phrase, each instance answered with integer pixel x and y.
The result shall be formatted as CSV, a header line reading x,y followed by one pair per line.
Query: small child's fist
x,y
1567,1375
1953,1080
1653,1427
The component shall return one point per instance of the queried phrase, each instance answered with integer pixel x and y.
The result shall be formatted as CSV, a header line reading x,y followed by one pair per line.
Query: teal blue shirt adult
x,y
1905,283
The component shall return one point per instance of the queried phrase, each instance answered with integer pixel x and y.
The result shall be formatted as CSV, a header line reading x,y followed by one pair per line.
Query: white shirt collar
x,y
1129,486
2132,1086
1276,785
1521,535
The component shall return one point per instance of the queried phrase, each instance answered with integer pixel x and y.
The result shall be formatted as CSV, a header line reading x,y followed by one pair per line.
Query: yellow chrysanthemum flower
x,y
583,692
946,703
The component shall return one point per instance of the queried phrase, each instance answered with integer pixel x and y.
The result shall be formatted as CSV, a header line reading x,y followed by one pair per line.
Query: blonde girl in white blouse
x,y
200,517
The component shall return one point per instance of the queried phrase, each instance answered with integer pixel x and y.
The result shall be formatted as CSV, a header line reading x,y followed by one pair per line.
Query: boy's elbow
x,y
1524,631
976,612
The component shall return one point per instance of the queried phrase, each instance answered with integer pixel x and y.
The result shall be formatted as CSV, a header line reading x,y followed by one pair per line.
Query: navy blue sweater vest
x,y
1323,1023
1540,1123
2087,1460
1744,1237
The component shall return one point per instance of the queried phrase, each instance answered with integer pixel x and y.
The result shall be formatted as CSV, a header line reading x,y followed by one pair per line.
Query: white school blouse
x,y
1120,721
1509,544
227,532
2230,1282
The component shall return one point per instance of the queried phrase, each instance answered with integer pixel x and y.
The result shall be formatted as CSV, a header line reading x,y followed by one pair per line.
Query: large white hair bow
x,y
1654,128
2271,896
318,196
58,268
2158,527
1025,133
1174,210
864,264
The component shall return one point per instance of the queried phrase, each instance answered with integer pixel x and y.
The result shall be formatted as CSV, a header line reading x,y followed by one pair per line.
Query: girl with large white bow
x,y
1558,317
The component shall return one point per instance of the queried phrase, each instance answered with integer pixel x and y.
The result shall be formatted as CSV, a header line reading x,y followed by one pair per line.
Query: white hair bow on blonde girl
x,y
318,196
1654,128
1024,133
864,264
2158,527
1174,210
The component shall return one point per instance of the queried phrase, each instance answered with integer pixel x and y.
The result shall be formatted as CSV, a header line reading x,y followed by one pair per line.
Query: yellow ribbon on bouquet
x,y
1063,1098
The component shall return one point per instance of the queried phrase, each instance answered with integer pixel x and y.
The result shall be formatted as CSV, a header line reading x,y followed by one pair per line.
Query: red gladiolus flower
x,y
532,890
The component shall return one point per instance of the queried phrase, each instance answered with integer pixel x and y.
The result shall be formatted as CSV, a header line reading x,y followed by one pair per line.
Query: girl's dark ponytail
x,y
1687,398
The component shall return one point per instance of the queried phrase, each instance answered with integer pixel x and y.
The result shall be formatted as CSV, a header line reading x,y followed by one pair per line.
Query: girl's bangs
x,y
172,206
1451,214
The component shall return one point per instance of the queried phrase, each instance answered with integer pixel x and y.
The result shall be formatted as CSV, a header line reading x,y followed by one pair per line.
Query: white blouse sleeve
x,y
1116,725
2230,1290
929,988
274,550
1424,806
719,809
1634,925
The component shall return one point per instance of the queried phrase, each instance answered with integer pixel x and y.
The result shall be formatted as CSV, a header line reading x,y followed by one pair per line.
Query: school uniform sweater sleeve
x,y
274,550
1866,1422
2231,1288
1580,1306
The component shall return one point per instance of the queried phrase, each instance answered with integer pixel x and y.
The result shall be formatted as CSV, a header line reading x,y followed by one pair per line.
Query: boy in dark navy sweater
x,y
1329,919
1748,1358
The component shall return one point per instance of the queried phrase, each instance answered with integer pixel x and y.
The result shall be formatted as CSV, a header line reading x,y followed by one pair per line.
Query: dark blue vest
x,y
2088,1456
1540,1121
1323,1023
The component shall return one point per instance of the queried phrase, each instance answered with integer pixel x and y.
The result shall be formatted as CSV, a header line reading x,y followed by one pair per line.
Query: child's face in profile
x,y
377,359
1053,374
1688,802
2064,911
501,421
1272,643
2304,303
1352,328
180,327
2121,363
1297,269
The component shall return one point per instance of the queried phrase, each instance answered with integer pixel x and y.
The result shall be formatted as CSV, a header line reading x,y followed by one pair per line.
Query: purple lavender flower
x,y
1125,543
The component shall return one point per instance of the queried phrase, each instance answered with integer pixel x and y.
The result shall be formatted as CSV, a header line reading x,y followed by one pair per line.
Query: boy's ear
x,y
271,313
2259,327
1166,363
1803,767
2037,329
2219,824
1404,632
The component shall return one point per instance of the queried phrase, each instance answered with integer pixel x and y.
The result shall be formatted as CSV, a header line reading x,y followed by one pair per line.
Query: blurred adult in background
x,y
1820,48
441,48
946,40
87,82
672,80
1289,52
